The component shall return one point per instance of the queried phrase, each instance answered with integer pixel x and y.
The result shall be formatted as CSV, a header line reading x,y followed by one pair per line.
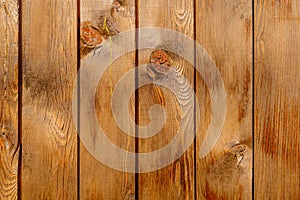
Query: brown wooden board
x,y
49,138
175,181
98,181
277,100
224,29
9,144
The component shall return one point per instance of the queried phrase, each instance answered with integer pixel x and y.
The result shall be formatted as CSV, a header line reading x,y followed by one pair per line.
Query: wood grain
x,y
175,181
9,144
49,50
98,181
224,29
277,100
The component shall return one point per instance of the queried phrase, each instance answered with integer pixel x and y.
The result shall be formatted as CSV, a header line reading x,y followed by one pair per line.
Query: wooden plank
x,y
277,100
9,144
224,29
98,181
175,181
49,138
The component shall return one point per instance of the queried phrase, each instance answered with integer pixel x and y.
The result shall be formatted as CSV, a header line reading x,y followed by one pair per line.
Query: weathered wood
x,y
49,138
175,181
9,144
98,181
277,100
224,29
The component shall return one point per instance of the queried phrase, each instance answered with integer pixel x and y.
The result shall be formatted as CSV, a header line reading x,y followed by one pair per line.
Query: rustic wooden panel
x,y
224,29
49,50
277,100
9,144
98,181
175,181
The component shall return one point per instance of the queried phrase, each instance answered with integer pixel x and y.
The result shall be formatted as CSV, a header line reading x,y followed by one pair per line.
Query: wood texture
x,y
98,181
49,50
50,166
277,100
9,144
224,29
175,181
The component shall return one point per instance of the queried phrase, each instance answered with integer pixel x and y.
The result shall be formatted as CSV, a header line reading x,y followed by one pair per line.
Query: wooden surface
x,y
56,165
9,144
98,181
175,181
277,100
49,139
224,29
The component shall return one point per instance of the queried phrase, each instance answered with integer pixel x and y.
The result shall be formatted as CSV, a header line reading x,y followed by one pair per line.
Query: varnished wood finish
x,y
9,144
49,49
277,100
224,29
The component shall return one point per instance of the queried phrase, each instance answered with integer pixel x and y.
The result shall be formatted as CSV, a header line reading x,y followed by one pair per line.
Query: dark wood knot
x,y
160,61
238,151
90,35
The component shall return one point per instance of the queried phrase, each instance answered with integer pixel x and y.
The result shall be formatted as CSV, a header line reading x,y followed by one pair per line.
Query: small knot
x,y
238,149
159,63
116,5
90,35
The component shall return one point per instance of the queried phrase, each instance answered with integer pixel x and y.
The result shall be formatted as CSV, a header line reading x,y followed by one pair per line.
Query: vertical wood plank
x,y
9,144
49,138
98,181
277,100
175,181
224,29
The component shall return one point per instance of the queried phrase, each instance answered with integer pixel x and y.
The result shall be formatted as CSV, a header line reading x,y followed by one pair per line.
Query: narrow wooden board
x,y
277,100
175,181
224,29
98,181
9,144
49,138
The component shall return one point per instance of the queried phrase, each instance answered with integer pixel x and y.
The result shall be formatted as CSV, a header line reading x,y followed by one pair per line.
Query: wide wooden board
x,y
277,100
175,181
98,181
224,29
49,138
